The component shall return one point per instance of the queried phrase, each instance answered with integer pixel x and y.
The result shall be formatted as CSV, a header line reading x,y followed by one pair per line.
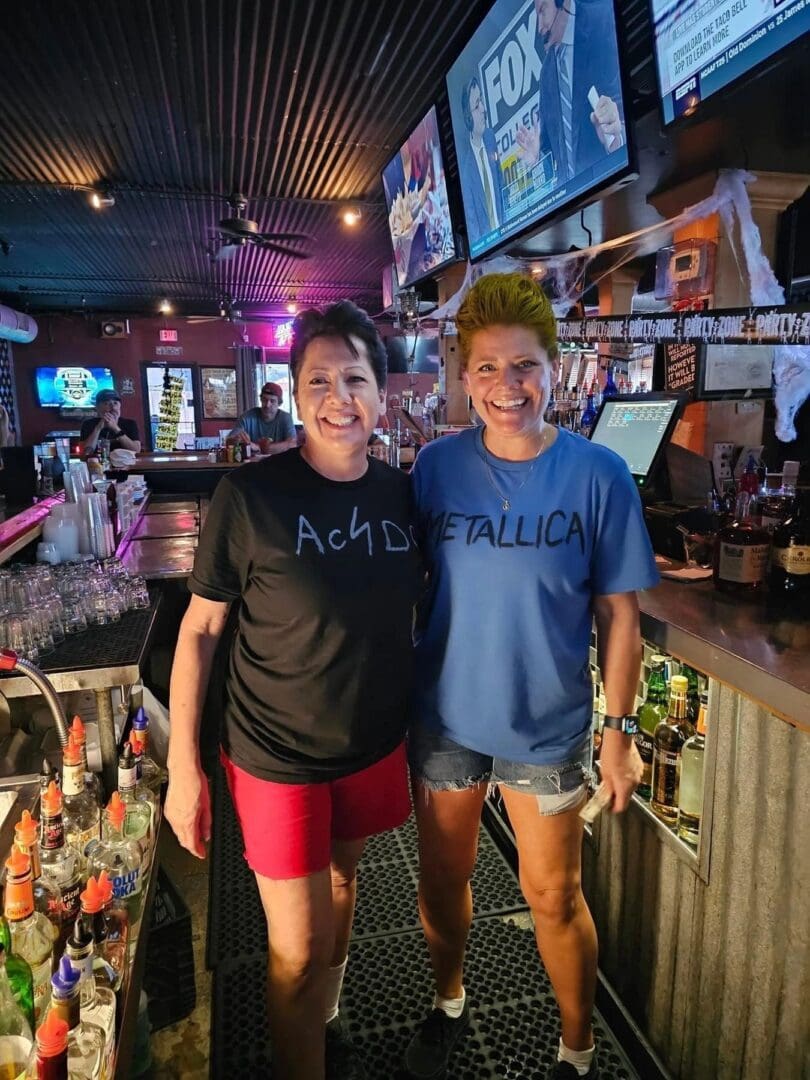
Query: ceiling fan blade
x,y
292,237
270,245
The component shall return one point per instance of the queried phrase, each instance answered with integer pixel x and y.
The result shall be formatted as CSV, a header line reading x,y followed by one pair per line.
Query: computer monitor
x,y
638,427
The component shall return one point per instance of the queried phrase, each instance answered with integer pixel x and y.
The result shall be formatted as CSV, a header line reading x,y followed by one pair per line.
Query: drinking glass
x,y
17,633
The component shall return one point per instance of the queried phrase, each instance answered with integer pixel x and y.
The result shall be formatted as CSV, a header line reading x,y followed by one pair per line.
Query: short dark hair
x,y
343,320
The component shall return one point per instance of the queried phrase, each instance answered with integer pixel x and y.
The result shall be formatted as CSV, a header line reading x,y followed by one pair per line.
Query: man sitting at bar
x,y
122,434
268,428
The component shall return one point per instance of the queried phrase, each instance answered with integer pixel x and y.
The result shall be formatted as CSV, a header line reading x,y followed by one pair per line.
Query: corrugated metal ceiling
x,y
178,103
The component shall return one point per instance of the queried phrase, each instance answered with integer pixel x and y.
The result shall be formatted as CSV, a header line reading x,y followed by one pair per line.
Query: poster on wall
x,y
218,393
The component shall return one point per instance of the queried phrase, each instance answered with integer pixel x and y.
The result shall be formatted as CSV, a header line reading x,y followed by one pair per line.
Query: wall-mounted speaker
x,y
115,328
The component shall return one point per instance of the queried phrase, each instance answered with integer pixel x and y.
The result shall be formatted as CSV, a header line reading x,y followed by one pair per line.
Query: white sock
x,y
452,1007
334,984
580,1059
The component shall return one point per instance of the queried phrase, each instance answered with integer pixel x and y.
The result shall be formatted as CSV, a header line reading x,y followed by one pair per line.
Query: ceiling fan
x,y
229,311
237,232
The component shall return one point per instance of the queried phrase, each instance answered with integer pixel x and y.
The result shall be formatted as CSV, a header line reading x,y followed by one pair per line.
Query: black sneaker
x,y
430,1049
342,1060
564,1070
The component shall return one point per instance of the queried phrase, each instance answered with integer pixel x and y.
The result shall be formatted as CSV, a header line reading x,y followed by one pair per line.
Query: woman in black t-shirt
x,y
315,545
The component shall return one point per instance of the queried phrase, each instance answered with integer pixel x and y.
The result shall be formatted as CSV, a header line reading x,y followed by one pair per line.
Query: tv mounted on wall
x,y
71,387
538,115
702,48
419,218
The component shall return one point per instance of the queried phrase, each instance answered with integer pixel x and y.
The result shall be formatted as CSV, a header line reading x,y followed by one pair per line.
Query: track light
x,y
292,307
351,216
101,198
166,307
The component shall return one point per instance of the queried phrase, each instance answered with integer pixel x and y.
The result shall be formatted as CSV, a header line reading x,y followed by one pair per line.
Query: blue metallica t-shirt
x,y
503,633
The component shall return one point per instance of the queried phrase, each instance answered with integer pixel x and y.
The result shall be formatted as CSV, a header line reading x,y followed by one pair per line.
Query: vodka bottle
x,y
80,811
85,1041
140,804
31,933
121,858
97,1004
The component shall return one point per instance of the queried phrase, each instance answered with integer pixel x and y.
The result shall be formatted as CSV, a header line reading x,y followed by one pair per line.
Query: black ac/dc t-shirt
x,y
327,573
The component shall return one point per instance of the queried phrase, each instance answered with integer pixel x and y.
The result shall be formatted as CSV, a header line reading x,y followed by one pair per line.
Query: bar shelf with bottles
x,y
76,890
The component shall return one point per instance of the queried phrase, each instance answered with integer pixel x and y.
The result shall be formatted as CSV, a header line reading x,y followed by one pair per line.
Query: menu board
x,y
682,361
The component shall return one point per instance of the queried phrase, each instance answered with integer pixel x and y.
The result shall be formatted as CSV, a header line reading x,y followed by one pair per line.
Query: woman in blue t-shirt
x,y
529,533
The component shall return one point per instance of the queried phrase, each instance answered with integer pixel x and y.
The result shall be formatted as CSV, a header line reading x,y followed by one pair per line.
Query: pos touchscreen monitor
x,y
638,427
538,115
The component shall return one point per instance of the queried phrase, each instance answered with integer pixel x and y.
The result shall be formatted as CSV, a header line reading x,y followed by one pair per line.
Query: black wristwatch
x,y
627,724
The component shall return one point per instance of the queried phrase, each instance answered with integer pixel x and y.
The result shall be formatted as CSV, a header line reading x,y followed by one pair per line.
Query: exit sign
x,y
168,335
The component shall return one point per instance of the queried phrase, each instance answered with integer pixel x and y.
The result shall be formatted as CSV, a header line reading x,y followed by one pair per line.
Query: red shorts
x,y
288,829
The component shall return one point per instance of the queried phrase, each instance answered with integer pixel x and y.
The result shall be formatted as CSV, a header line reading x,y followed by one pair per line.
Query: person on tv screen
x,y
580,117
122,434
478,166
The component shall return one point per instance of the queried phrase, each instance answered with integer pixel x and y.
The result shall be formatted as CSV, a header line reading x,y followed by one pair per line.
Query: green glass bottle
x,y
650,715
19,975
692,694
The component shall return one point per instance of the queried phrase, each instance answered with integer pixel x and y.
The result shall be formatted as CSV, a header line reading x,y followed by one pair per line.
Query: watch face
x,y
630,725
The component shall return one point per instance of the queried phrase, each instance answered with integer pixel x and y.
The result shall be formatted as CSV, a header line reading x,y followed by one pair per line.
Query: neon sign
x,y
283,334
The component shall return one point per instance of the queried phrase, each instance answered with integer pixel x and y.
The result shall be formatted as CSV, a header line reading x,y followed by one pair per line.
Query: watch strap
x,y
627,724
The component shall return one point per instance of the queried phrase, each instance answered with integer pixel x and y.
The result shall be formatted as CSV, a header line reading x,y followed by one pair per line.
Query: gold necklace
x,y
506,503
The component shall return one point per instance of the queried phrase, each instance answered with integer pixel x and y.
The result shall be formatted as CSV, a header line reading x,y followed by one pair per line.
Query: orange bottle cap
x,y
93,897
72,753
105,886
52,1035
52,800
26,830
135,742
77,730
116,810
18,863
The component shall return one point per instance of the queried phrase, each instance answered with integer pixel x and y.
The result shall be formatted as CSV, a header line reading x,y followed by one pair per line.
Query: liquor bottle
x,y
18,973
47,896
92,781
588,418
47,773
110,943
610,390
749,481
80,811
50,1058
62,865
96,1004
650,715
789,574
121,857
140,804
670,735
690,798
31,934
692,694
114,949
150,773
15,1030
85,1041
741,551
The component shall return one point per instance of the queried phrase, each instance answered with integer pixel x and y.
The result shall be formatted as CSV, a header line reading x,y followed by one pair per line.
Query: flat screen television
x,y
419,218
71,387
638,427
701,48
538,116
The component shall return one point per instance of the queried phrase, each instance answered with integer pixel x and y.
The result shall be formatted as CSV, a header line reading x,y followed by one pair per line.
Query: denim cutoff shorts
x,y
443,765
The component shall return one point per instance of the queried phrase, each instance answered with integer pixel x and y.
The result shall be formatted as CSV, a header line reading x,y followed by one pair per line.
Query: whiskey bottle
x,y
690,796
789,575
651,713
670,735
741,552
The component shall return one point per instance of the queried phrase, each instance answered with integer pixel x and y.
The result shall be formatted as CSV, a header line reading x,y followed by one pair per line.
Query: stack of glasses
x,y
41,604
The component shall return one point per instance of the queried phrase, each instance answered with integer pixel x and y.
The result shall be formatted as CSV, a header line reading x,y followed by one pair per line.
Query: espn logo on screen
x,y
115,328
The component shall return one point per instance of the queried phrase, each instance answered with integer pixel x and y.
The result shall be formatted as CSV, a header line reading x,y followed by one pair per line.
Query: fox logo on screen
x,y
511,69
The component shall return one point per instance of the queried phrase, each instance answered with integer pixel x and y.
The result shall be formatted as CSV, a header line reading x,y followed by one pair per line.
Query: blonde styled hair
x,y
506,300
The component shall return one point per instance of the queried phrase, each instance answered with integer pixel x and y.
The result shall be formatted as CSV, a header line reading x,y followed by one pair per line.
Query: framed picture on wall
x,y
218,393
